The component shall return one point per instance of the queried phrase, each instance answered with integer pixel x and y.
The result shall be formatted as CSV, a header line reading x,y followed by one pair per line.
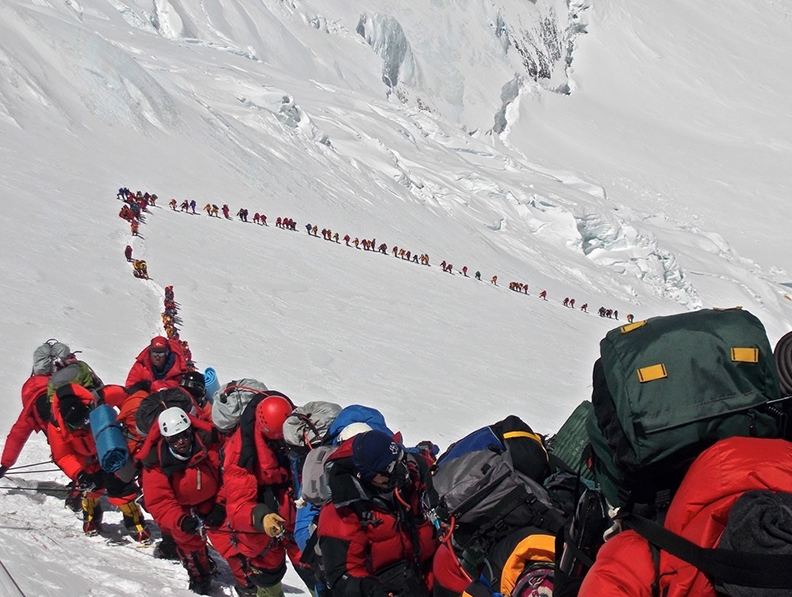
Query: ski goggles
x,y
391,468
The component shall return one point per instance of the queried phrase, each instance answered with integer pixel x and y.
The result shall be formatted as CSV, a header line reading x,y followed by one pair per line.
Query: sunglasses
x,y
159,353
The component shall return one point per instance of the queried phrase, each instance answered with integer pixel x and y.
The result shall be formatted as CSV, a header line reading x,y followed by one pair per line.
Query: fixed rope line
x,y
6,573
14,468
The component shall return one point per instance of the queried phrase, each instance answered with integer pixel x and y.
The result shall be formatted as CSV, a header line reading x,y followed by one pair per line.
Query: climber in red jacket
x,y
699,511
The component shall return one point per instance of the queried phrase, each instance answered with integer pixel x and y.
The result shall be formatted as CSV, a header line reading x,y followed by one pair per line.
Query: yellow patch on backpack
x,y
652,373
626,329
744,355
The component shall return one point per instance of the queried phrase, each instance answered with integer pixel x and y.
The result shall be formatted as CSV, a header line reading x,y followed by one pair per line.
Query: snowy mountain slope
x,y
270,123
679,109
281,107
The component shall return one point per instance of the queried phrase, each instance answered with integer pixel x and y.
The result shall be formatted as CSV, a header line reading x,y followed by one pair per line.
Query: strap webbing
x,y
723,566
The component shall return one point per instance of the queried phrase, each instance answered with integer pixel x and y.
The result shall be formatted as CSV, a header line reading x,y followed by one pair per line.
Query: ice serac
x,y
625,249
509,93
386,36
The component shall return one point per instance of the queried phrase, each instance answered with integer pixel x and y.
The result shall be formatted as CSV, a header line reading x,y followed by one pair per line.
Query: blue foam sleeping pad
x,y
108,434
212,383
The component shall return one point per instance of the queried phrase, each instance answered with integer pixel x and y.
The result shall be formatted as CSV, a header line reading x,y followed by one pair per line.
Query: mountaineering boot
x,y
92,516
245,590
134,523
73,499
166,548
271,591
197,565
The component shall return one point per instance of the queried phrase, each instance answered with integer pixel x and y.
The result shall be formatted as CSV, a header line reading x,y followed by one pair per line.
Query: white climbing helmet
x,y
173,421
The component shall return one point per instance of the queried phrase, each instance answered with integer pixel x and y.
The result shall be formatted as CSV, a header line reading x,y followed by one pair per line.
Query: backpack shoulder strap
x,y
723,566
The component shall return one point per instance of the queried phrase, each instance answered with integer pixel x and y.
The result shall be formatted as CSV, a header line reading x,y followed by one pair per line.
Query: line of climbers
x,y
370,245
673,480
135,205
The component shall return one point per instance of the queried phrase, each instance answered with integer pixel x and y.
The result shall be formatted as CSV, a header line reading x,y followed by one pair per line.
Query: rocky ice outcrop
x,y
385,35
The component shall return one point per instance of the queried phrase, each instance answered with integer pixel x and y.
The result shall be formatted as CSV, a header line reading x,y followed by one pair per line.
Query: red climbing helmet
x,y
271,413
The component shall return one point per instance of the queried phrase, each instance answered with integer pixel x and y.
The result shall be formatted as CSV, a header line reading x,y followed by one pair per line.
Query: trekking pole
x,y
14,468
47,470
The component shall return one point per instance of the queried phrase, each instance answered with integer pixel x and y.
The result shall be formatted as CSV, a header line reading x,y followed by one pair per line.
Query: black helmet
x,y
194,383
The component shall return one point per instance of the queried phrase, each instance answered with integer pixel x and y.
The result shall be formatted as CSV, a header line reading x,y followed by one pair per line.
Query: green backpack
x,y
667,388
78,372
570,443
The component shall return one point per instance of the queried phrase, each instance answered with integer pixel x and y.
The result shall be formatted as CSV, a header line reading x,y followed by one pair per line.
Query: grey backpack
x,y
479,490
230,401
315,488
48,356
308,424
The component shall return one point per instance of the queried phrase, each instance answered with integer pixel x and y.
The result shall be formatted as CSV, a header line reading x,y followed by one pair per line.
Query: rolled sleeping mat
x,y
111,448
212,383
783,357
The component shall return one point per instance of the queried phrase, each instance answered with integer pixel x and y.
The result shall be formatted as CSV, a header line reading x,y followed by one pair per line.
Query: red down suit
x,y
362,533
174,368
255,471
699,511
28,420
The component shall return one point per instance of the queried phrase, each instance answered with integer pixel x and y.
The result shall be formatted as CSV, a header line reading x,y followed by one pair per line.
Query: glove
x,y
266,520
273,524
216,517
3,471
190,525
86,482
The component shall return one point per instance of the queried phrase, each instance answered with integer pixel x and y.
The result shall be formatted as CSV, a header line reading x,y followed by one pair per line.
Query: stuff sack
x,y
490,482
364,418
152,405
50,355
308,424
230,401
78,372
668,387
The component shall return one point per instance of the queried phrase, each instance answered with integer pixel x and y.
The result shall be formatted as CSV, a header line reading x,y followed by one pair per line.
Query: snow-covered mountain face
x,y
631,155
528,127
